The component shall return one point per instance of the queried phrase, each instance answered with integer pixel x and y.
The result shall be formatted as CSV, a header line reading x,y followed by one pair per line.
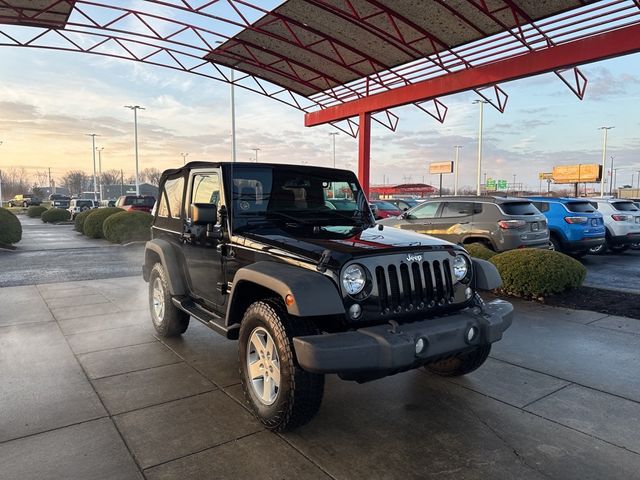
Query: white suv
x,y
78,205
622,222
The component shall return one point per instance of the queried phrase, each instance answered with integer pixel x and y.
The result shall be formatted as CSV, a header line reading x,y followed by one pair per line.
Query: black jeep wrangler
x,y
289,261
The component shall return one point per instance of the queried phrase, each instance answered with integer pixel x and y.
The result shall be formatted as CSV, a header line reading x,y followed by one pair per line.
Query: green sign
x,y
502,185
491,184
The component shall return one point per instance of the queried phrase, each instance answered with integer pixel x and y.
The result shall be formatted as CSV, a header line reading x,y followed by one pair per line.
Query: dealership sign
x,y
586,173
440,168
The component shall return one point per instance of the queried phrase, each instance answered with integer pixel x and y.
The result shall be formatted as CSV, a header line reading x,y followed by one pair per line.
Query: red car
x,y
141,203
386,209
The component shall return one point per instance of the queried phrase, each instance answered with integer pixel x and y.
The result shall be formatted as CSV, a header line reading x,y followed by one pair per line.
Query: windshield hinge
x,y
324,261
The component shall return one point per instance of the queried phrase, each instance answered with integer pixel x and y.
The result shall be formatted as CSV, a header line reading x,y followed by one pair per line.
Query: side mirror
x,y
204,214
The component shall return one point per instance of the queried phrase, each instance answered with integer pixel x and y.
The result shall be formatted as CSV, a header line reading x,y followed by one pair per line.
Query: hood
x,y
346,243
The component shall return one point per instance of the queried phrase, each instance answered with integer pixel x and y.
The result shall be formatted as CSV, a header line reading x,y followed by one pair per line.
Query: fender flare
x,y
486,275
164,250
314,294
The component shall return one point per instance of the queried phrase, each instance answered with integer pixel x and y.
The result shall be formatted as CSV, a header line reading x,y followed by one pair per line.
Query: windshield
x,y
311,197
385,205
583,207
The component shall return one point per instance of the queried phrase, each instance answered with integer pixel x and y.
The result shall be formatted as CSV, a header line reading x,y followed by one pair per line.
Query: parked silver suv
x,y
500,223
622,223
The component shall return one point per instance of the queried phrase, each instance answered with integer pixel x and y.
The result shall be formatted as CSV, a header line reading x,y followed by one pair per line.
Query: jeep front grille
x,y
415,285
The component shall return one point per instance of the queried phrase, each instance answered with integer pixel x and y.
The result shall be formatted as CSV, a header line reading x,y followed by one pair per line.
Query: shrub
x,y
54,215
10,227
79,220
536,273
126,227
92,227
36,212
478,250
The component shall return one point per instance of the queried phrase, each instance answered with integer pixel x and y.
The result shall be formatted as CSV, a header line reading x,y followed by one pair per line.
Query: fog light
x,y
468,293
420,346
472,333
355,310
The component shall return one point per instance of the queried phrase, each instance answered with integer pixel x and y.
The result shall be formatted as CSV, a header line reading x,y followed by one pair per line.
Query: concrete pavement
x,y
87,391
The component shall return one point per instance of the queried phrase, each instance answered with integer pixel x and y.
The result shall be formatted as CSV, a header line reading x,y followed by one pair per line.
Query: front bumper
x,y
384,348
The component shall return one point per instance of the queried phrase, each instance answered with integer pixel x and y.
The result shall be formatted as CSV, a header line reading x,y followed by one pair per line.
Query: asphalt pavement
x,y
57,253
614,271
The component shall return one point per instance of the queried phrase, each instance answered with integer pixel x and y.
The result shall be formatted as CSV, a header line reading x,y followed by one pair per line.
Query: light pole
x,y
604,158
95,180
184,158
481,102
613,170
333,137
514,182
100,170
256,149
0,183
233,110
135,109
455,176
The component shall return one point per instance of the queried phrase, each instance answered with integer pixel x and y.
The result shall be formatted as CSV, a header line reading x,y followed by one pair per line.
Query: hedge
x,y
478,250
92,227
127,227
10,227
79,220
35,211
54,215
537,273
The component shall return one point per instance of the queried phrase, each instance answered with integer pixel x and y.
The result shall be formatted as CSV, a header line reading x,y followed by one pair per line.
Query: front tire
x,y
168,320
461,364
281,395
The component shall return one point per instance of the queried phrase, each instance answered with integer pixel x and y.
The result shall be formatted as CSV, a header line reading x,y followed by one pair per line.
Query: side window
x,y
428,210
171,202
163,209
457,209
594,205
206,188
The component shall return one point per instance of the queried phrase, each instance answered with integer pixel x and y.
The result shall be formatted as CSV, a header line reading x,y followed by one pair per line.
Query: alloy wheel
x,y
263,366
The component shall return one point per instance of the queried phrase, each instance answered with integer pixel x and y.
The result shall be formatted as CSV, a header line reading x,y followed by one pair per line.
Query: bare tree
x,y
76,181
151,175
41,178
15,181
111,177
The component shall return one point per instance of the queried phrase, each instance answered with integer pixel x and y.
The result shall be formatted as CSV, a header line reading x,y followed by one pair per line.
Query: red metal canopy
x,y
337,59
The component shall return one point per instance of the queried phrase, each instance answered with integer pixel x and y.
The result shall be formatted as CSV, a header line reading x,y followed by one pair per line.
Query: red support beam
x,y
364,151
615,43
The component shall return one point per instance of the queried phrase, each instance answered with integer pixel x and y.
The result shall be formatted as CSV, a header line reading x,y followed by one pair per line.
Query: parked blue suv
x,y
575,225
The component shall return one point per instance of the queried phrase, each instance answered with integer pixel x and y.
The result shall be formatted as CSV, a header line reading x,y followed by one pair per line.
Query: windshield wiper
x,y
289,217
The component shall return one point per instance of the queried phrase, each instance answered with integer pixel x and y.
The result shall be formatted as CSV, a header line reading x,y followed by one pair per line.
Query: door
x,y
203,261
454,221
421,218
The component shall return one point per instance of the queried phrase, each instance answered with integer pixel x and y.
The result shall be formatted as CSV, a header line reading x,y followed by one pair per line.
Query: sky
x,y
50,100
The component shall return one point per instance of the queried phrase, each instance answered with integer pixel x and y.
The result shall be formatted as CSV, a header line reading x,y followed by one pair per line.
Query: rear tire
x,y
289,396
555,244
168,320
461,364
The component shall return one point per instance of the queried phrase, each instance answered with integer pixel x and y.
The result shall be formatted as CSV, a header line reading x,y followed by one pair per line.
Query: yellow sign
x,y
587,173
545,175
440,167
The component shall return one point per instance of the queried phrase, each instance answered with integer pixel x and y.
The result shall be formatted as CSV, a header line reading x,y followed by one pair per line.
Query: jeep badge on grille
x,y
414,257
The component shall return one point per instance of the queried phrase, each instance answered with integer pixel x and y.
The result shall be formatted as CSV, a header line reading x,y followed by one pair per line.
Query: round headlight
x,y
460,267
354,279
